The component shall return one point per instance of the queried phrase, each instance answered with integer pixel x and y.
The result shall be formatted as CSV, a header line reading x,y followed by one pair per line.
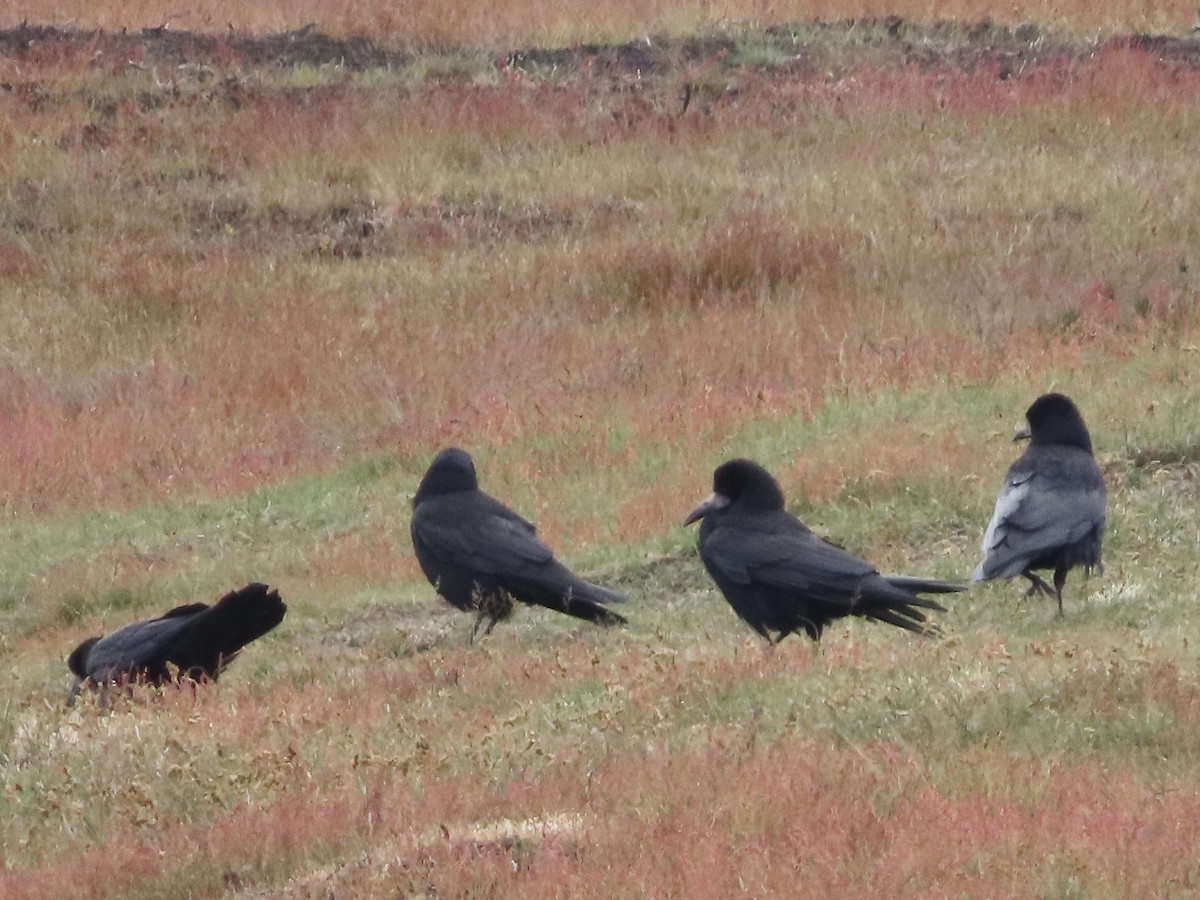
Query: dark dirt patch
x,y
362,227
1177,49
163,47
481,221
836,44
348,230
413,629
651,56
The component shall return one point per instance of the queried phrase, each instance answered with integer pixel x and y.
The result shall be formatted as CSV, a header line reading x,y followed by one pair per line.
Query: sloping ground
x,y
890,41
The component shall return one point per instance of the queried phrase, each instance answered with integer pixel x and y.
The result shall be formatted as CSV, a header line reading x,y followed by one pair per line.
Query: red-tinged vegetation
x,y
236,844
534,771
797,818
730,815
1118,82
339,271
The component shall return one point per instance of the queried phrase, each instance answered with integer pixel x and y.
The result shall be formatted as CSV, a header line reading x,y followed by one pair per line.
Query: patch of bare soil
x,y
413,629
885,41
169,48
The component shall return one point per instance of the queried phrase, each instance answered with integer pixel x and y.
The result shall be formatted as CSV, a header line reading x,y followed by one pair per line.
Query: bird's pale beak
x,y
1022,434
711,502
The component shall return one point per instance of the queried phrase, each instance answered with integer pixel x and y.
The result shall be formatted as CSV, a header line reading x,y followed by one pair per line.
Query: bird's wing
x,y
476,532
780,551
134,645
187,609
1045,502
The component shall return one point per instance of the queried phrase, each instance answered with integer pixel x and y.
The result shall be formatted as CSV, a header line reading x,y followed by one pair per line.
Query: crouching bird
x,y
781,578
481,556
194,640
1050,512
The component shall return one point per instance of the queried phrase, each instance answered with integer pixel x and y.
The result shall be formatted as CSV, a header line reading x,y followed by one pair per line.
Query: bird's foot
x,y
1037,585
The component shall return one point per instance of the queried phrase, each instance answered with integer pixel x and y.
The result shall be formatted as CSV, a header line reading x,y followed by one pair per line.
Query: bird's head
x,y
742,482
1055,419
450,472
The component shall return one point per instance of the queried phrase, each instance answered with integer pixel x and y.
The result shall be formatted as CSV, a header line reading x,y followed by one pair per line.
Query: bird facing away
x,y
195,640
779,577
481,556
1050,511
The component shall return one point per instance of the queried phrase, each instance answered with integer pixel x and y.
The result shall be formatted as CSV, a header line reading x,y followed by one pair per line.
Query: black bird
x,y
779,577
194,640
1050,512
481,556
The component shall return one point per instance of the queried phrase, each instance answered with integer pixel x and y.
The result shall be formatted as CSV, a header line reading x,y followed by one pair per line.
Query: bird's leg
x,y
1060,581
479,621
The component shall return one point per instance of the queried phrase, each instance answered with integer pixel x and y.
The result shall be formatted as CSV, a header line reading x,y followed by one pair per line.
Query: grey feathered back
x,y
1050,512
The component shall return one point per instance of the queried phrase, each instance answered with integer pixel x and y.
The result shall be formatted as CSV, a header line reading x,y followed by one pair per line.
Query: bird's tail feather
x,y
585,600
596,593
915,585
238,618
581,599
909,619
582,608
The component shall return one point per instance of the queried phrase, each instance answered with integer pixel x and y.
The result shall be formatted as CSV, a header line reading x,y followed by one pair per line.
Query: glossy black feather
x,y
481,556
194,640
780,578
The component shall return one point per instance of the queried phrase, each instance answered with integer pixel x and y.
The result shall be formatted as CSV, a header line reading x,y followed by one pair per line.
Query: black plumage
x,y
781,578
194,640
1050,512
481,556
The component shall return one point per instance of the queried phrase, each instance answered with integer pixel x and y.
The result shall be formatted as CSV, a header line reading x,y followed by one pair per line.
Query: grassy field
x,y
522,22
245,304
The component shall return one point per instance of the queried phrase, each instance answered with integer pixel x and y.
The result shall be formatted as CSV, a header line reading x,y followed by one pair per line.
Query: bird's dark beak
x,y
711,502
1022,434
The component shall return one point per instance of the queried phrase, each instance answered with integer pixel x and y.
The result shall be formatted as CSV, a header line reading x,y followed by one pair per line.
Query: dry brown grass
x,y
214,293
